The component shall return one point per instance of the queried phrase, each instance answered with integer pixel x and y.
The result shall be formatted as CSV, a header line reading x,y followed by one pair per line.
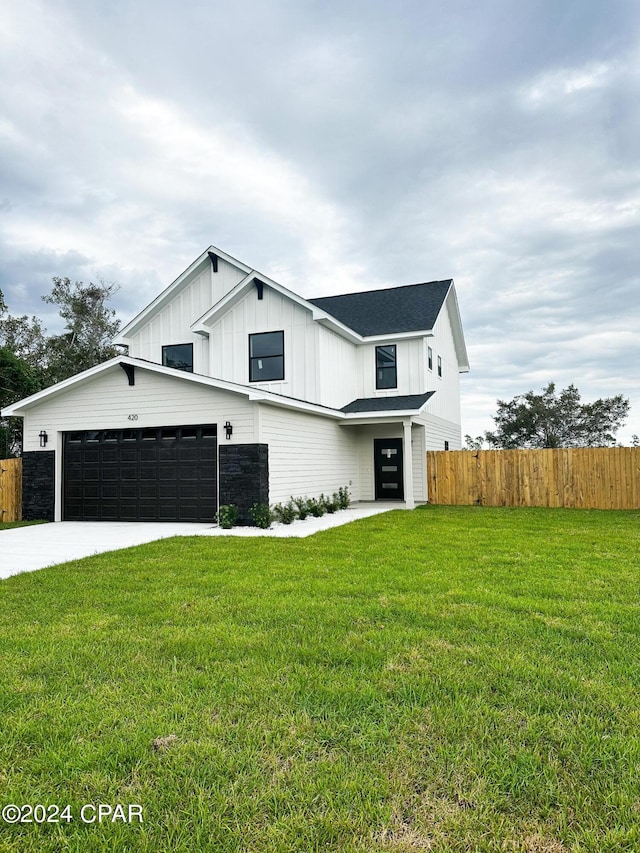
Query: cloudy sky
x,y
340,145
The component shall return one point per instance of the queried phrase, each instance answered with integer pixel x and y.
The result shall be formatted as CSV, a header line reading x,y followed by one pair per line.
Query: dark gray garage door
x,y
153,474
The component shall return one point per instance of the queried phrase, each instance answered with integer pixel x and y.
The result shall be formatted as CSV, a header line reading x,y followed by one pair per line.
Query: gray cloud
x,y
341,145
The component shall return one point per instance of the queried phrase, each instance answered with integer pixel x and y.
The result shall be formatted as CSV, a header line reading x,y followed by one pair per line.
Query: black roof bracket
x,y
130,370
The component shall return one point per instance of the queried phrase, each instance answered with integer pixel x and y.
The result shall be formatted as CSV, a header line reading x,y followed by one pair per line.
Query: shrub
x,y
302,506
285,513
227,516
316,507
344,498
261,515
331,503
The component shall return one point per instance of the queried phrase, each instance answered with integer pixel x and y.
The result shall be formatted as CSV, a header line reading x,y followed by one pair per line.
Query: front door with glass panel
x,y
388,469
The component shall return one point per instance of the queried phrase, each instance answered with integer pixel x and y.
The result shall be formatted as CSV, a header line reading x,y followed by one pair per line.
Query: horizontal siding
x,y
308,454
365,437
440,430
107,401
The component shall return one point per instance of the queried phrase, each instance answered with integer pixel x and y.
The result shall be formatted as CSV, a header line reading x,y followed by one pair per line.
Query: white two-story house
x,y
233,389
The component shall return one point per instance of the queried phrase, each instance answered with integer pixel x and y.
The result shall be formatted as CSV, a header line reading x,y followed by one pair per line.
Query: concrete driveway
x,y
24,549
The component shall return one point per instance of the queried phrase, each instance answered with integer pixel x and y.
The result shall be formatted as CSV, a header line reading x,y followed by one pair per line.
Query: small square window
x,y
386,367
429,358
178,356
266,357
439,367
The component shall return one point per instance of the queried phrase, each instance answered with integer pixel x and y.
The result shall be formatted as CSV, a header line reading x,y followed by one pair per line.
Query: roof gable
x,y
411,308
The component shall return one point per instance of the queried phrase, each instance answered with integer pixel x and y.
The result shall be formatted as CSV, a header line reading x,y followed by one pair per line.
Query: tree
x,y
17,380
31,360
557,420
90,328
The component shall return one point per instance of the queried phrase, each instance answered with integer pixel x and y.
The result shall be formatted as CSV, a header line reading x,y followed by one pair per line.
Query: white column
x,y
408,465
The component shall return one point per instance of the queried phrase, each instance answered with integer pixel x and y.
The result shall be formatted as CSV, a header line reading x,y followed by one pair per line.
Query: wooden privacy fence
x,y
585,478
10,489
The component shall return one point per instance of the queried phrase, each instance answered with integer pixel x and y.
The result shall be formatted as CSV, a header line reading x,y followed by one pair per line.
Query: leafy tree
x,y
31,360
90,327
17,380
550,419
471,443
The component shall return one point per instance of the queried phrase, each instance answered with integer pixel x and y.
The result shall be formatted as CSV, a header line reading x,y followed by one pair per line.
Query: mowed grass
x,y
448,679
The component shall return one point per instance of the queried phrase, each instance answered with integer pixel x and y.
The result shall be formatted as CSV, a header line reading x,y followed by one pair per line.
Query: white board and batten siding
x,y
339,370
172,323
410,369
229,343
308,454
445,403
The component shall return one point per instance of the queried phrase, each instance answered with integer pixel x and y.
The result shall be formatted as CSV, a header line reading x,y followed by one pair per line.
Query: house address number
x,y
132,417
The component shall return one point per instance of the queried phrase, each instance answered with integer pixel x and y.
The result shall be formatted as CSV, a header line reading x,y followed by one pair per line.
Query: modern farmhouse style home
x,y
233,389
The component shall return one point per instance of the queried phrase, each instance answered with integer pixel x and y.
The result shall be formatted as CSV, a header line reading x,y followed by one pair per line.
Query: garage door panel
x,y
164,473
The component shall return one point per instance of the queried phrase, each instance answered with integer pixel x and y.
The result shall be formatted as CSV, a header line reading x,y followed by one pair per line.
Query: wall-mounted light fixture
x,y
43,438
228,429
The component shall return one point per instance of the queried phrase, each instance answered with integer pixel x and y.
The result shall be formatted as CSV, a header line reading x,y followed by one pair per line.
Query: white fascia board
x,y
202,325
329,322
80,378
399,336
169,292
253,394
453,308
363,419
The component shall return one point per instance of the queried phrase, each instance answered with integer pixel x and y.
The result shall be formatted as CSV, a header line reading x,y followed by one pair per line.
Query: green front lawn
x,y
449,679
8,525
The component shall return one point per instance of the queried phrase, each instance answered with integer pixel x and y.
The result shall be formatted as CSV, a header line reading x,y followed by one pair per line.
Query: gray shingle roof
x,y
408,402
411,308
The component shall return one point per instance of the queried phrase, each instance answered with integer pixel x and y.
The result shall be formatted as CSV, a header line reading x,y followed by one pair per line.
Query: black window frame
x,y
390,370
174,367
440,367
430,358
254,359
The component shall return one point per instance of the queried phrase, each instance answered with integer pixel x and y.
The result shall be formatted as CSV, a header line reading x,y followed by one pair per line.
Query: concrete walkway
x,y
24,549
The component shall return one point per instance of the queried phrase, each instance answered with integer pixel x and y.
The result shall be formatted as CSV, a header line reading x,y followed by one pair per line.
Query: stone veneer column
x,y
244,477
38,485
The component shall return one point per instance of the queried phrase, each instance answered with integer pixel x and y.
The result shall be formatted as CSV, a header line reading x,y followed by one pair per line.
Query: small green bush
x,y
261,515
227,516
344,498
285,513
302,507
316,507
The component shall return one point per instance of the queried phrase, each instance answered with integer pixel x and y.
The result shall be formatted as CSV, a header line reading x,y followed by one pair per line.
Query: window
x,y
266,356
179,356
439,367
446,445
429,358
386,371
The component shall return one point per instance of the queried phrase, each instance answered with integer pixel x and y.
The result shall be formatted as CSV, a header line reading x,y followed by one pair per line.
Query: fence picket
x,y
587,478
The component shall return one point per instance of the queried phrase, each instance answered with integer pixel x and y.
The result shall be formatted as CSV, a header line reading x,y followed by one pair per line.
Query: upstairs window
x,y
386,370
429,358
439,367
178,356
266,357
